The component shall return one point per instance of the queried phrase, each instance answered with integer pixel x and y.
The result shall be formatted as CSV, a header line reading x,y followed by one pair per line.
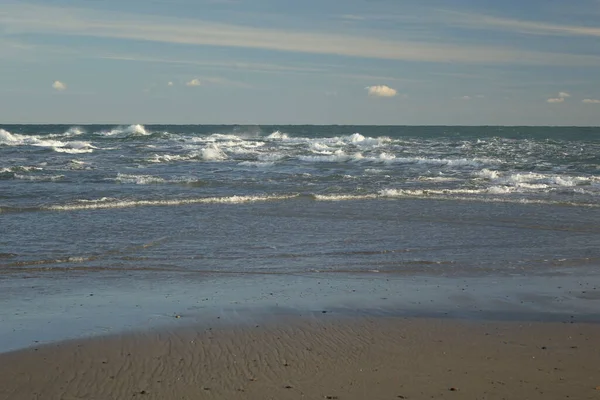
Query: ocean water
x,y
84,204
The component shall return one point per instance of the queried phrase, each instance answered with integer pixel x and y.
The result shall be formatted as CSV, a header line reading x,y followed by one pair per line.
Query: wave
x,y
125,131
39,178
212,153
278,135
524,182
152,179
448,195
76,147
106,204
138,179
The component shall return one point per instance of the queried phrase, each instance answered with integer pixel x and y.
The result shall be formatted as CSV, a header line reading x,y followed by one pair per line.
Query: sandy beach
x,y
318,357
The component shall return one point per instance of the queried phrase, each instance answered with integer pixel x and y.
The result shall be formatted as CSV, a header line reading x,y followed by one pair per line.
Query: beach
x,y
318,357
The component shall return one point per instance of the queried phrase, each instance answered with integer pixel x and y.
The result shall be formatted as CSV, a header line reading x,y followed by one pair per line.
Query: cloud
x,y
590,101
560,99
465,97
170,83
381,91
487,22
23,19
352,17
193,82
60,86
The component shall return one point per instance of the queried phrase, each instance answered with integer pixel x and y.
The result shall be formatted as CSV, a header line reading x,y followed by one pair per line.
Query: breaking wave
x,y
125,131
76,147
110,203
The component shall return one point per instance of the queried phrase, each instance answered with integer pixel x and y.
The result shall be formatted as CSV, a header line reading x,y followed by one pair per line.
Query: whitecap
x,y
124,131
93,205
278,135
138,179
212,153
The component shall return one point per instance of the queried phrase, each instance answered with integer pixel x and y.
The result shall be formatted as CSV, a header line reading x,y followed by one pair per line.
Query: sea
x,y
104,227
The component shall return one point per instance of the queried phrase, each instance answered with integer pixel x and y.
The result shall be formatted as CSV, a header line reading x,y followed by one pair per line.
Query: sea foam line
x,y
138,203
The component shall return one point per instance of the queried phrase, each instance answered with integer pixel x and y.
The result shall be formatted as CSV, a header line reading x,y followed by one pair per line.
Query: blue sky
x,y
453,62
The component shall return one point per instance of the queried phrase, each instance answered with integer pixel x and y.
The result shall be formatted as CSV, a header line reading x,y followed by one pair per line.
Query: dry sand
x,y
318,358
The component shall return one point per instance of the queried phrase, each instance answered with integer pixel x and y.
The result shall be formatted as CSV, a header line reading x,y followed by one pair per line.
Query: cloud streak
x,y
487,22
590,101
31,19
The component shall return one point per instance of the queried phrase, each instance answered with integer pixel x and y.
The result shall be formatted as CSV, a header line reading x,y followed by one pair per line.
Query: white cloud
x,y
465,97
60,86
590,101
19,18
170,84
193,82
560,99
381,91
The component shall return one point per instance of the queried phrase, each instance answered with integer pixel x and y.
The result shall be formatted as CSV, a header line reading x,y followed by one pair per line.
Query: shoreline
x,y
40,310
315,357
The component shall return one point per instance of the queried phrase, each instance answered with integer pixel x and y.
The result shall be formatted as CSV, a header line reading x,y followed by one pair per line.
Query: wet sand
x,y
318,357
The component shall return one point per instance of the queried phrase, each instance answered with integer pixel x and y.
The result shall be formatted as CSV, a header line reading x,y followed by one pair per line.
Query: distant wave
x,y
76,147
124,131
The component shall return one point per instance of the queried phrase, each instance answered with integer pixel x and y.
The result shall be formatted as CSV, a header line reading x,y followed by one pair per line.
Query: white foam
x,y
437,179
7,138
277,135
139,179
20,168
90,205
124,131
344,197
337,156
165,158
488,174
39,178
76,147
257,164
212,153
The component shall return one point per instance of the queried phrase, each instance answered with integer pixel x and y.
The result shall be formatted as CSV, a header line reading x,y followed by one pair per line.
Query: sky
x,y
383,62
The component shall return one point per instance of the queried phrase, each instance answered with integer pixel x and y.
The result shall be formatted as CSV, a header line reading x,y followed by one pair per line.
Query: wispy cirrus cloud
x,y
590,101
24,19
488,22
